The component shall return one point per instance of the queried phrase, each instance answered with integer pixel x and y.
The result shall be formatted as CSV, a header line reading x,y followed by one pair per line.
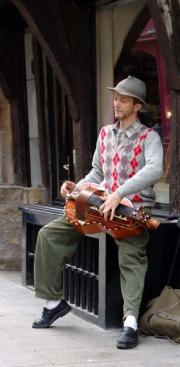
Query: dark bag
x,y
162,318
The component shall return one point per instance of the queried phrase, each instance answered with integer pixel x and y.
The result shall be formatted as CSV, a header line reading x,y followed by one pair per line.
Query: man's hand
x,y
66,188
110,205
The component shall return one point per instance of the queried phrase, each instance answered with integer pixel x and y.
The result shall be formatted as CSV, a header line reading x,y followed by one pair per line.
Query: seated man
x,y
127,162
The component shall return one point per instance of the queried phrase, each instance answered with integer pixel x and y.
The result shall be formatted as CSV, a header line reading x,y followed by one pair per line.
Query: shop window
x,y
145,61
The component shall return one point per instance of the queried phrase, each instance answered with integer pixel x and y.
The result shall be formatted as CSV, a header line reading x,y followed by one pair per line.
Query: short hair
x,y
136,101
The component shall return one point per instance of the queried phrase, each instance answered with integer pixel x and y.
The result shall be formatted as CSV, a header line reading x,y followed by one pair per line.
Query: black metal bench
x,y
91,280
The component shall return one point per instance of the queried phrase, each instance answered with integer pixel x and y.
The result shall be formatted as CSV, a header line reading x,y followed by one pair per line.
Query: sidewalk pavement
x,y
70,342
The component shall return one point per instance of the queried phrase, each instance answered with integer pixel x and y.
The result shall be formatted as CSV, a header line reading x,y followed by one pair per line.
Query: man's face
x,y
124,106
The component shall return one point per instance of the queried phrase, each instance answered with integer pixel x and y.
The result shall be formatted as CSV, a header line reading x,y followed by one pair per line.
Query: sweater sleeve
x,y
96,174
152,170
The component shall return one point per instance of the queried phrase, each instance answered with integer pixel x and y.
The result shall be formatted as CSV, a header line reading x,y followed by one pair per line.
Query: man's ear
x,y
137,107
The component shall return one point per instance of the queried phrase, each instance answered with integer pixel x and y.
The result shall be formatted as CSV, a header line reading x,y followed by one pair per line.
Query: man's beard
x,y
123,115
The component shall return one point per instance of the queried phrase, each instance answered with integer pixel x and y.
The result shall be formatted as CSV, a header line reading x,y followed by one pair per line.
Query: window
x,y
145,61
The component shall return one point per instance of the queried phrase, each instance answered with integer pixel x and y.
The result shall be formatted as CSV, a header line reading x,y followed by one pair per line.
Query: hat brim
x,y
125,93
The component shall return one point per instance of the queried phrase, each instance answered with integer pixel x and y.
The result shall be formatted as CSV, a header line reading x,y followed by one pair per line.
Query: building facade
x,y
57,61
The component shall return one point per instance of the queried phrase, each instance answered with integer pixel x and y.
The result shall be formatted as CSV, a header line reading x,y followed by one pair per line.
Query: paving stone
x,y
71,342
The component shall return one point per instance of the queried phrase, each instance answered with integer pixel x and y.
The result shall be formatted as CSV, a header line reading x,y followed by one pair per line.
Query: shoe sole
x,y
126,346
60,314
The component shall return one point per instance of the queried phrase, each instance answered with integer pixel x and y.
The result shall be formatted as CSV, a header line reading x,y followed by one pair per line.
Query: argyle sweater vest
x,y
119,163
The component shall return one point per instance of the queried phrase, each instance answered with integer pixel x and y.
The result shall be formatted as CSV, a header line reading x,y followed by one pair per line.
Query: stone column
x,y
36,176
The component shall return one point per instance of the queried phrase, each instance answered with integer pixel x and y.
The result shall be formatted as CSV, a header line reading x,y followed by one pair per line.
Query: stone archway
x,y
71,53
113,24
39,23
134,31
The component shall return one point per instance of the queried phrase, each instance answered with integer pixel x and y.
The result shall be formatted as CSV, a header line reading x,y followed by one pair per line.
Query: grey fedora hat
x,y
133,87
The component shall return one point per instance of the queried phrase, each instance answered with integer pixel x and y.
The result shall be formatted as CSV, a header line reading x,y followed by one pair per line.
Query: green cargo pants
x,y
56,244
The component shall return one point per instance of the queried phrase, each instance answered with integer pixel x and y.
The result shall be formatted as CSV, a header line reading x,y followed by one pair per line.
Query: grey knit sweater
x,y
128,161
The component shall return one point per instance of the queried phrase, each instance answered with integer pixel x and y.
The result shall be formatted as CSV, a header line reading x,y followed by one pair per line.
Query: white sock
x,y
131,322
52,304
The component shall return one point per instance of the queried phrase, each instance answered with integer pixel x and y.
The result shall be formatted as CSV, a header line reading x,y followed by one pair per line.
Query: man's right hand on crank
x,y
66,188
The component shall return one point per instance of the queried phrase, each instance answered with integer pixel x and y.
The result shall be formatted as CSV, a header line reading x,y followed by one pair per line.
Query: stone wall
x,y
11,198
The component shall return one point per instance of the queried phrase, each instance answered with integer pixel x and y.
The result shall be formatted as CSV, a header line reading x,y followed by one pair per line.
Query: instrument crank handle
x,y
152,223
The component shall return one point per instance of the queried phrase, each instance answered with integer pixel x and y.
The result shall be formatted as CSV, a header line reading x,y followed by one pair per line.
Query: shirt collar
x,y
129,131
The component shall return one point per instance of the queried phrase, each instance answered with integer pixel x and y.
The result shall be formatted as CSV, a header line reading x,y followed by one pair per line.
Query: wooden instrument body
x,y
82,211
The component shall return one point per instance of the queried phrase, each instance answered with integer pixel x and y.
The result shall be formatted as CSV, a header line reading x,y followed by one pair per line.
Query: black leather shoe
x,y
128,338
49,316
